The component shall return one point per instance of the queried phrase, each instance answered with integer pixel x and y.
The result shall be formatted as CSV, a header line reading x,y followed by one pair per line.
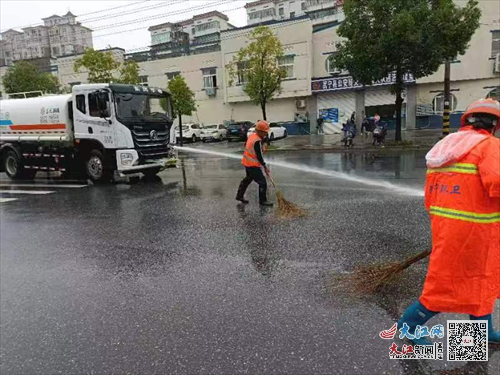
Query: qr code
x,y
467,340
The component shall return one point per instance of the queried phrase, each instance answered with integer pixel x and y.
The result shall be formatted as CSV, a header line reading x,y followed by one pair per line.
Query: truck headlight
x,y
127,158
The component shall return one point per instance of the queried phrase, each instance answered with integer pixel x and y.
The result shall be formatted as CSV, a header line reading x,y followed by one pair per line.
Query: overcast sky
x,y
116,23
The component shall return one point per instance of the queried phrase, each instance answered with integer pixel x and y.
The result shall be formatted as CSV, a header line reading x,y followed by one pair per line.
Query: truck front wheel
x,y
95,167
14,169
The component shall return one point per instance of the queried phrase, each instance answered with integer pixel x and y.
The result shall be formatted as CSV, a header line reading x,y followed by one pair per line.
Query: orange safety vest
x,y
463,199
249,155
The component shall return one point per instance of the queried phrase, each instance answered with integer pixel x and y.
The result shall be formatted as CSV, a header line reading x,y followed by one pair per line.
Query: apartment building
x,y
199,34
58,36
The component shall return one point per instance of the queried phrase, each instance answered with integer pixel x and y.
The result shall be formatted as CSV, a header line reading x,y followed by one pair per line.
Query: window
x,y
281,11
143,81
292,14
207,26
242,73
495,43
161,38
94,108
80,103
55,51
209,78
262,13
438,103
286,63
303,6
330,64
172,75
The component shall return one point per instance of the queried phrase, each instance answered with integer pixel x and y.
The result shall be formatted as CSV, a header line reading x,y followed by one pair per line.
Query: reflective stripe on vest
x,y
465,215
463,168
249,156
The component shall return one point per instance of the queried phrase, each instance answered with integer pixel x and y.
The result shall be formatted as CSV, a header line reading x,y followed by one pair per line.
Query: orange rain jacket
x,y
462,195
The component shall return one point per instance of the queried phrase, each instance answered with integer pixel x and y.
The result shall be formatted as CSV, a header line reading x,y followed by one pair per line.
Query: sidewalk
x,y
412,140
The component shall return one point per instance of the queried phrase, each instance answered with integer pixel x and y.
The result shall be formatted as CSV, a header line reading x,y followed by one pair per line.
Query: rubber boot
x,y
416,315
493,336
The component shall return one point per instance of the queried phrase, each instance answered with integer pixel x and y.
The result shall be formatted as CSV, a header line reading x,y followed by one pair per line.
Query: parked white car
x,y
213,132
276,131
191,132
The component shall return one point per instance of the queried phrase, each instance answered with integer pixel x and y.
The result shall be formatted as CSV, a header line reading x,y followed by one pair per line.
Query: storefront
x,y
338,97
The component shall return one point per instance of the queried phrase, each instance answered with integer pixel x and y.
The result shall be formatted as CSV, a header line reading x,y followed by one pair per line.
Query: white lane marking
x,y
45,186
5,200
31,192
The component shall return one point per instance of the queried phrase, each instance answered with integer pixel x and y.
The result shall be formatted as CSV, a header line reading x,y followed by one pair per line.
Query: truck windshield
x,y
137,106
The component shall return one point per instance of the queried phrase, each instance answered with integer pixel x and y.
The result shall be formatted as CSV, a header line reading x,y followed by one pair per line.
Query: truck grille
x,y
151,148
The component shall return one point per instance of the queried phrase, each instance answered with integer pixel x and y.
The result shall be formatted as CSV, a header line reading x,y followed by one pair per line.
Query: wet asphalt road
x,y
173,276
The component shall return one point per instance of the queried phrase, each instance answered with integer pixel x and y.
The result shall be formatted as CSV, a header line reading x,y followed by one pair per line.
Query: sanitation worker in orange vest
x,y
254,162
462,195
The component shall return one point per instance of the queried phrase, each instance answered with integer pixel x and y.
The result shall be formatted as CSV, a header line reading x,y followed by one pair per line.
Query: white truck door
x,y
88,121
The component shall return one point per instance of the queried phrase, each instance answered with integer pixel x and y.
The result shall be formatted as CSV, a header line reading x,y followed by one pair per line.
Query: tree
x,y
257,67
182,99
402,37
24,76
100,66
129,72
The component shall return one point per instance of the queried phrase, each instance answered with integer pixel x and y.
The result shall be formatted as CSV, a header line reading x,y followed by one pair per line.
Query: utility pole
x,y
447,98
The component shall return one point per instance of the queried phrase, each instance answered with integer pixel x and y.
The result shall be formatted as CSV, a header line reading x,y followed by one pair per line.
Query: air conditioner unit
x,y
300,104
211,91
496,67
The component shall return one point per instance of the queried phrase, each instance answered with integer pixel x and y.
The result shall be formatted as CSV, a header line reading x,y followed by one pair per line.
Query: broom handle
x,y
271,178
414,259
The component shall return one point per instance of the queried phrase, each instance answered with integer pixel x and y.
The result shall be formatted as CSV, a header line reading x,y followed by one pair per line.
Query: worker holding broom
x,y
253,161
462,195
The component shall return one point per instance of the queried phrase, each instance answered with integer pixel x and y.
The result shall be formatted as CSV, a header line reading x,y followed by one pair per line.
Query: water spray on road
x,y
305,168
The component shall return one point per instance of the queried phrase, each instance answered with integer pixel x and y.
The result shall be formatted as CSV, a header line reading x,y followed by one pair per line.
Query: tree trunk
x,y
264,115
399,103
180,129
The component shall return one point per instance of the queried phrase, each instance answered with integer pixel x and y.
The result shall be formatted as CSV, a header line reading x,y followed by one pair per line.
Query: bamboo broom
x,y
286,209
369,279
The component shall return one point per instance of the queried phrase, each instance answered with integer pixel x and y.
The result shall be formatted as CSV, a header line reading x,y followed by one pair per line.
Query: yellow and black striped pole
x,y
446,109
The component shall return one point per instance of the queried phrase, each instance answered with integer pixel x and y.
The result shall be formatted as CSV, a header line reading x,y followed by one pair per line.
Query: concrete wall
x,y
323,45
211,109
468,91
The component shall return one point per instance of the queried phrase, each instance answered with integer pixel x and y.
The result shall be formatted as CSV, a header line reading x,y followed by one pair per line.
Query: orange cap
x,y
262,125
489,106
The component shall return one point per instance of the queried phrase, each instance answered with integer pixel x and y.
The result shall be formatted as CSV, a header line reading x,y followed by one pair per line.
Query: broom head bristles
x,y
369,279
287,209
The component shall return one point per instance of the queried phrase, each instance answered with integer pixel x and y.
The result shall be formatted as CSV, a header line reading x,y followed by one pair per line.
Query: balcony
x,y
313,5
206,28
261,16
